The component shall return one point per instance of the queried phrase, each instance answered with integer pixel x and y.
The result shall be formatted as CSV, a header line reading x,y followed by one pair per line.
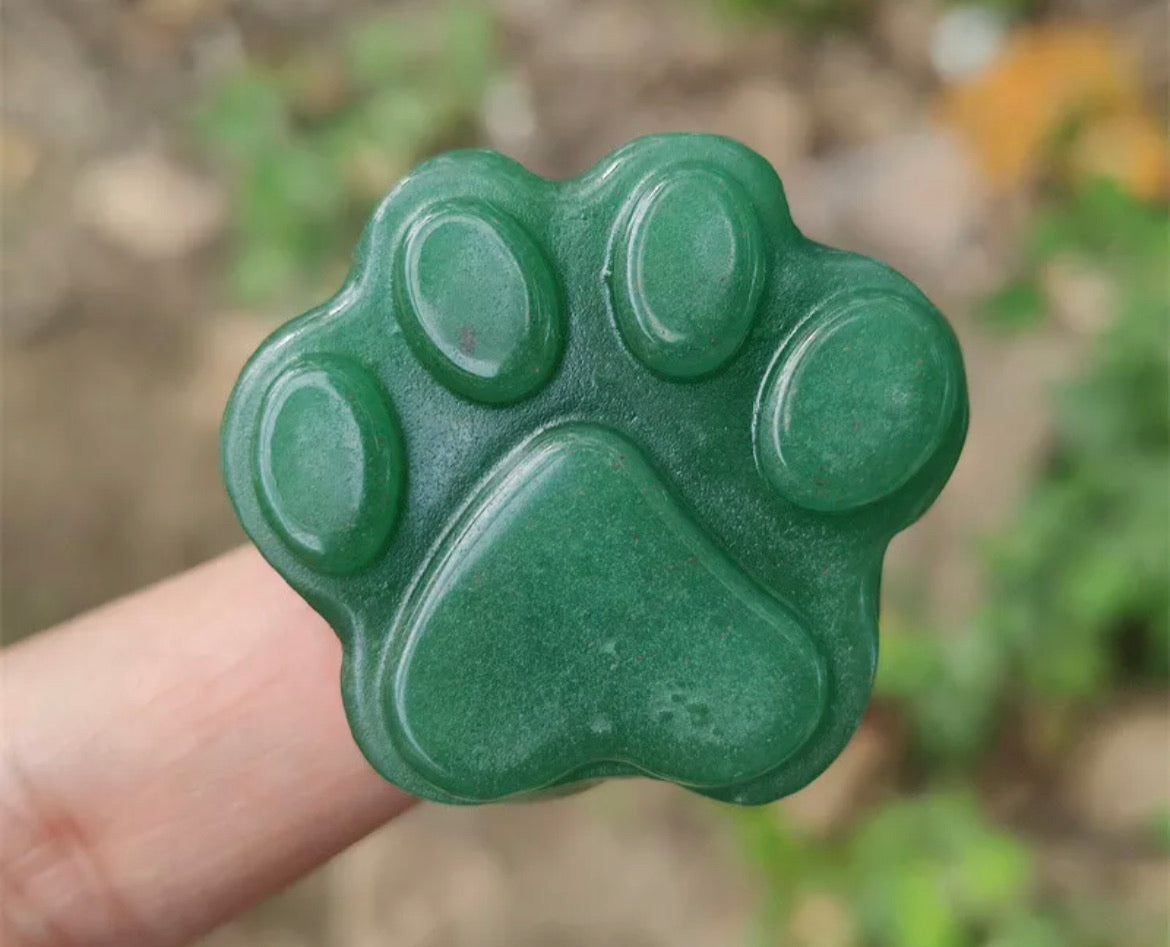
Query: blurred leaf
x,y
380,52
1028,930
1101,221
296,187
246,117
263,271
470,46
916,910
996,875
1090,551
814,16
1011,8
947,683
1019,305
931,869
318,141
782,858
1160,831
404,49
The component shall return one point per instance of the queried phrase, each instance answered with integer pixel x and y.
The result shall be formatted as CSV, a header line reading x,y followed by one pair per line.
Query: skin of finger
x,y
168,760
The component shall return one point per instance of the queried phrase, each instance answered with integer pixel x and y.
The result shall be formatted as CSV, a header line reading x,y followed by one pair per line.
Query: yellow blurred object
x,y
1053,80
1129,148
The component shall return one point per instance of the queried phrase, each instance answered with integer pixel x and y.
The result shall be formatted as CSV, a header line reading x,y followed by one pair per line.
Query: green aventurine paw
x,y
656,650
594,478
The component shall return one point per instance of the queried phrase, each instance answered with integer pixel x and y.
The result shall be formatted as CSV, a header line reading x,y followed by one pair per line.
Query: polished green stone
x,y
704,686
329,463
594,478
688,271
478,302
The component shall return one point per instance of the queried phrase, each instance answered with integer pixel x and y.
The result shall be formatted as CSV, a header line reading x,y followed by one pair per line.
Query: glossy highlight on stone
x,y
594,478
329,465
688,271
478,301
856,404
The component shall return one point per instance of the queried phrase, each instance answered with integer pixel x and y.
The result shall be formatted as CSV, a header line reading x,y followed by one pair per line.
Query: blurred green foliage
x,y
820,16
813,16
1077,604
922,871
1160,831
1010,9
314,140
1079,596
1077,599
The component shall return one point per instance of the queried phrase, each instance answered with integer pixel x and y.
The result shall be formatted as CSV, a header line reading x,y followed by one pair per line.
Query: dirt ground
x,y
117,360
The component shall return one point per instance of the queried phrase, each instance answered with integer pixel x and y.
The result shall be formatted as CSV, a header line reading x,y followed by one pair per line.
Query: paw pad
x,y
330,465
688,271
478,302
594,478
856,403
